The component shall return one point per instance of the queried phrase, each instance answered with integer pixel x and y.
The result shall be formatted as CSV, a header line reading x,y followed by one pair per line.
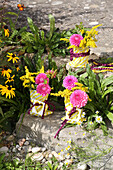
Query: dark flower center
x,y
19,37
16,66
5,68
6,27
13,55
10,78
18,29
9,88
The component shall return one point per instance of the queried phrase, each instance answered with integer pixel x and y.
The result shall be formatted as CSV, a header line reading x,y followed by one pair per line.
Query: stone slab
x,y
42,131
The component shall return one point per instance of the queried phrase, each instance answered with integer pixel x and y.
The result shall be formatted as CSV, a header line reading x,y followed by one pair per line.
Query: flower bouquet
x,y
38,83
80,44
75,97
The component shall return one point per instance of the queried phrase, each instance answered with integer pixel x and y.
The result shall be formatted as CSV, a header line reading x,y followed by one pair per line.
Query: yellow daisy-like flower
x,y
10,79
6,72
8,90
17,67
6,32
12,57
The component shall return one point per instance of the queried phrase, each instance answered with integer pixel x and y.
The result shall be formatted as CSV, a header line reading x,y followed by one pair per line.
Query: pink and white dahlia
x,y
69,81
43,89
40,78
75,39
79,98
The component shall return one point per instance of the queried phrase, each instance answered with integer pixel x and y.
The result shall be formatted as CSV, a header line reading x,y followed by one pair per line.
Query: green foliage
x,y
7,164
76,30
39,41
100,91
11,109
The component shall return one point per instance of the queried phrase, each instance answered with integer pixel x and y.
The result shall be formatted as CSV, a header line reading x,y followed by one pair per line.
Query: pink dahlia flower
x,y
75,39
69,81
79,98
43,89
40,78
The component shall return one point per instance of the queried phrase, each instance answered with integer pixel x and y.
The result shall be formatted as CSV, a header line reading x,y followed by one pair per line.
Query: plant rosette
x,y
38,83
75,98
80,46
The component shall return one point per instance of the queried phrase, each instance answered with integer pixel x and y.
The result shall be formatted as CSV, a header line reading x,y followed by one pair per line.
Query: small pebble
x,y
26,143
17,146
82,166
10,138
50,155
37,157
4,149
21,141
86,7
36,149
43,149
43,160
14,150
93,23
27,148
19,149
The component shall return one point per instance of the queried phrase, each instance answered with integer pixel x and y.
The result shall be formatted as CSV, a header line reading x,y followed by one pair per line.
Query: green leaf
x,y
90,106
104,129
28,62
49,165
2,157
13,34
8,100
110,116
23,29
30,49
84,75
101,77
31,25
91,87
111,108
109,90
27,36
52,25
12,25
1,112
90,72
107,81
42,35
56,167
11,13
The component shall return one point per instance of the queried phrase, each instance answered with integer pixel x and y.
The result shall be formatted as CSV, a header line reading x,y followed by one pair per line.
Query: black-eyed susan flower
x,y
12,57
17,67
6,30
8,90
6,71
9,79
